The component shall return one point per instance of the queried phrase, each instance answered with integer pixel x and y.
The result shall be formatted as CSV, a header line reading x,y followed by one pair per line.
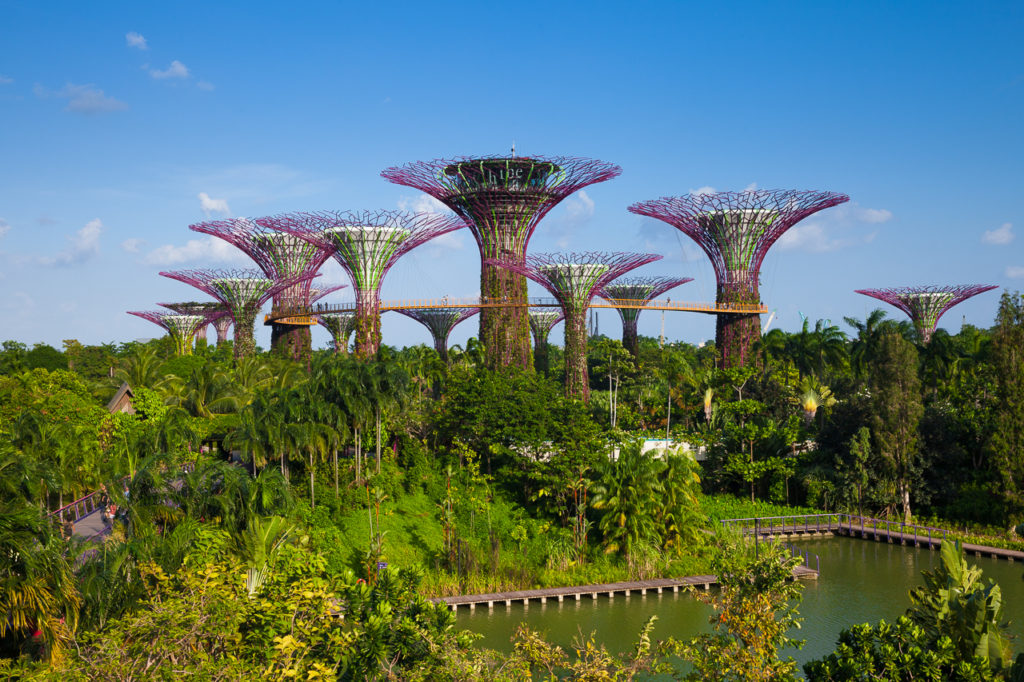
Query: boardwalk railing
x,y
848,523
83,506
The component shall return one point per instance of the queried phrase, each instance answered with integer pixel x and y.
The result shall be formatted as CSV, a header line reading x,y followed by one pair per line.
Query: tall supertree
x,y
211,310
366,245
440,322
181,328
340,325
736,229
243,293
926,304
628,293
574,279
279,255
502,199
541,322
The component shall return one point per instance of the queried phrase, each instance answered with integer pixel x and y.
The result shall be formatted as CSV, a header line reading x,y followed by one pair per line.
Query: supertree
x,y
340,325
502,199
628,293
242,292
574,279
367,244
541,322
211,310
279,255
926,304
181,328
736,229
440,322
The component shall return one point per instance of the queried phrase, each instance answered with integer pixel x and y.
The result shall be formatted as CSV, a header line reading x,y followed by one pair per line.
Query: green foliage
x,y
1007,441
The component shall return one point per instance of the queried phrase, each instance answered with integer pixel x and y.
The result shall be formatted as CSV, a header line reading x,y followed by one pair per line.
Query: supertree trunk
x,y
367,324
292,341
577,381
505,330
630,336
736,334
222,325
245,333
542,357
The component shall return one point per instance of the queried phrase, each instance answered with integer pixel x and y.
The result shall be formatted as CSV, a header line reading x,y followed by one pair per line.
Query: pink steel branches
x,y
574,279
440,322
926,304
367,244
181,328
502,199
630,291
541,322
210,310
243,293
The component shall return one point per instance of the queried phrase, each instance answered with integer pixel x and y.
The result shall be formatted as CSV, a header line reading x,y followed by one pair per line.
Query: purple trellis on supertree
x,y
574,279
279,255
440,322
502,199
181,328
211,310
541,322
340,326
367,244
736,229
926,304
631,291
242,292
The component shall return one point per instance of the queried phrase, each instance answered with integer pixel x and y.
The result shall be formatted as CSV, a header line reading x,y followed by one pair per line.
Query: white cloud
x,y
424,203
205,249
5,227
132,245
874,215
834,229
82,99
211,206
810,237
706,189
133,39
175,70
205,85
84,245
1015,271
752,187
5,80
1000,236
450,241
579,208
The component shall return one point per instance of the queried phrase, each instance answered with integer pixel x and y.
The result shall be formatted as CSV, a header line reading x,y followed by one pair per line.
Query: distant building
x,y
122,400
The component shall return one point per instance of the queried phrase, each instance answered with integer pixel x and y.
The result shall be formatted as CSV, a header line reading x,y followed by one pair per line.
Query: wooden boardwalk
x,y
594,592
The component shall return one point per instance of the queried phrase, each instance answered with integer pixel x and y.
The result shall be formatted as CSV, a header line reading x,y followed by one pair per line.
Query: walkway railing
x,y
88,504
808,523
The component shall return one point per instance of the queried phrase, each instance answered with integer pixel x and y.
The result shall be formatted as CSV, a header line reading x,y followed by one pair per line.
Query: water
x,y
861,582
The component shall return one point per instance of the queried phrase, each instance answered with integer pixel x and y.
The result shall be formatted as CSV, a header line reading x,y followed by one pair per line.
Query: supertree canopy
x,y
242,292
366,245
926,304
440,322
628,292
574,279
340,325
736,229
181,328
211,310
502,199
541,322
279,255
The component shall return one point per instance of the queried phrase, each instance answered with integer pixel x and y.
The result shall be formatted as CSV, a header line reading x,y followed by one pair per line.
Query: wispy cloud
x,y
206,85
5,227
254,184
84,245
5,80
424,203
136,40
132,245
175,70
82,99
706,189
1015,271
1000,236
204,249
211,206
834,229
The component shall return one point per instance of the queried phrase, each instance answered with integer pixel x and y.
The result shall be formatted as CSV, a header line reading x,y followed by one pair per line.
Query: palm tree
x,y
207,391
141,369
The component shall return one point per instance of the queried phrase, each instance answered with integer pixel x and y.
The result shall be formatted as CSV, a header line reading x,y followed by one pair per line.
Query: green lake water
x,y
861,582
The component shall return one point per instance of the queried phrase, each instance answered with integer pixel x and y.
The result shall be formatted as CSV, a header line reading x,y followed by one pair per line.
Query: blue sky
x,y
123,123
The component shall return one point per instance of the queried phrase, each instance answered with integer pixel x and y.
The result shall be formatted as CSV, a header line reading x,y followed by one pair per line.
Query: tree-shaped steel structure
x,y
502,199
926,304
440,322
211,310
736,229
242,292
629,292
280,256
541,322
367,244
181,328
340,325
574,279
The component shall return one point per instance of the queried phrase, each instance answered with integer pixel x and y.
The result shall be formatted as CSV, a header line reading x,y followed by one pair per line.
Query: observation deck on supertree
x,y
633,291
736,229
181,328
242,292
367,244
340,326
440,322
211,310
926,304
574,279
280,256
541,322
502,199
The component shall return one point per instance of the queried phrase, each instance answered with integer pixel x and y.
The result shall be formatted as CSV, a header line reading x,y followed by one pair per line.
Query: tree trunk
x,y
312,494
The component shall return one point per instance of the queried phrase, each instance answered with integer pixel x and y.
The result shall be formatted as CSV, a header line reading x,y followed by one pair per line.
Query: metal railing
x,y
794,523
88,504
